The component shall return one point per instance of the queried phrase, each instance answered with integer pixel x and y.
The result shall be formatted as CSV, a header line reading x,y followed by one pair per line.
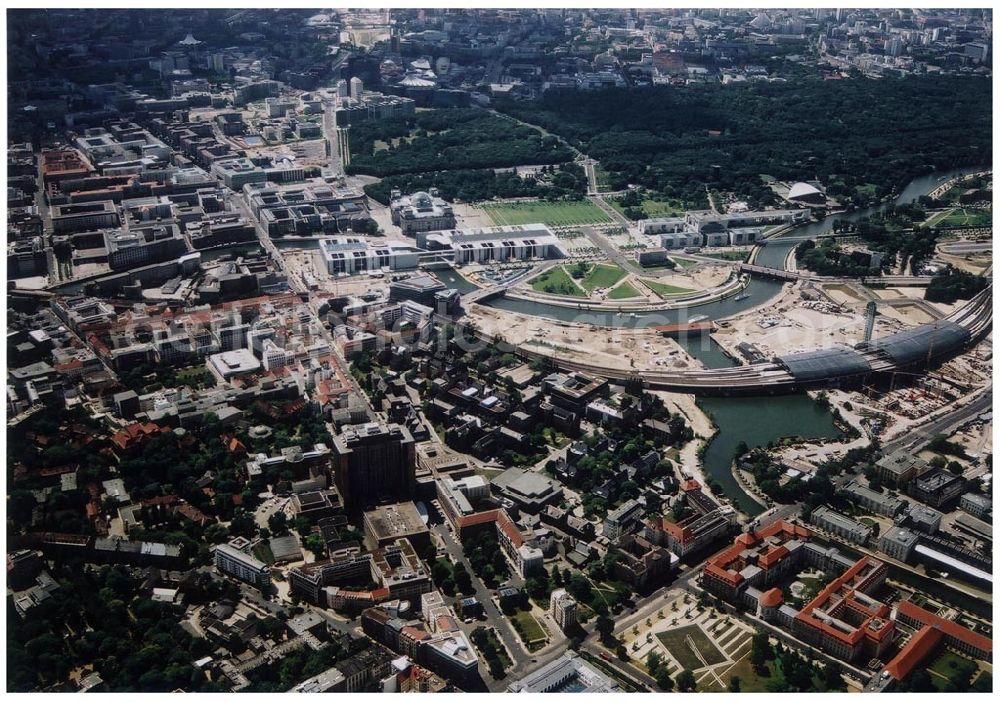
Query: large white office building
x,y
242,565
515,242
707,228
345,255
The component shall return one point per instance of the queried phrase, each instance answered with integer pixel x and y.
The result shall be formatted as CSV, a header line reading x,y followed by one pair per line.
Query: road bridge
x,y
776,273
489,292
906,281
800,239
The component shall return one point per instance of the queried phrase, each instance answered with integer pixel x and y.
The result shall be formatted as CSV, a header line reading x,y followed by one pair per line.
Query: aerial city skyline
x,y
499,350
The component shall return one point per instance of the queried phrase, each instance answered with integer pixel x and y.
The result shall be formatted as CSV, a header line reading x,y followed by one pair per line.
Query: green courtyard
x,y
653,208
602,275
666,290
678,642
556,281
623,292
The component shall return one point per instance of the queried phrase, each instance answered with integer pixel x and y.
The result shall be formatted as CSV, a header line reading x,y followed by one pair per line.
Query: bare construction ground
x,y
613,348
792,324
470,216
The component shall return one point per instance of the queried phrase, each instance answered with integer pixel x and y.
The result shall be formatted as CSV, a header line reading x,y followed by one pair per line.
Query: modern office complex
x,y
346,255
936,487
240,564
521,242
568,673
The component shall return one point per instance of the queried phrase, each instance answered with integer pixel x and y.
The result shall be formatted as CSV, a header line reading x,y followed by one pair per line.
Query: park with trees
x,y
848,134
446,139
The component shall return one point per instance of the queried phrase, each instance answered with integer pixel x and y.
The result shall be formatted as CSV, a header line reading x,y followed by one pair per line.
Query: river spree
x,y
755,420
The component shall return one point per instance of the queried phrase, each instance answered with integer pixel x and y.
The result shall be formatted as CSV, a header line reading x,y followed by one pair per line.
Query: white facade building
x,y
352,255
518,242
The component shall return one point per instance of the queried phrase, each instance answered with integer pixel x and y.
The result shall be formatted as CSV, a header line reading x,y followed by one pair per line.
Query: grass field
x,y
195,376
684,262
962,217
665,290
602,276
602,178
729,255
554,214
622,292
528,628
554,437
501,652
263,553
943,666
750,681
557,281
676,641
653,208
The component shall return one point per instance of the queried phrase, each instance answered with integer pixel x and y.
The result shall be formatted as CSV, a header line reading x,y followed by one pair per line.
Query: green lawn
x,y
528,628
729,255
653,208
750,681
556,281
665,290
622,292
554,437
262,552
676,641
943,666
936,218
602,276
602,178
493,644
684,262
554,214
194,375
962,217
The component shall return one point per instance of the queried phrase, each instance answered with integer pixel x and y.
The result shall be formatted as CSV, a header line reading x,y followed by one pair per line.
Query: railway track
x,y
976,317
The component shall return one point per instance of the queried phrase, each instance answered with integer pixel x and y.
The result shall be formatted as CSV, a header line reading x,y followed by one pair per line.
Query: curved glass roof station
x,y
834,362
920,343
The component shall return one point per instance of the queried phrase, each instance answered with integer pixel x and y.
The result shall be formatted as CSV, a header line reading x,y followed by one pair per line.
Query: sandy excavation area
x,y
792,324
641,349
705,276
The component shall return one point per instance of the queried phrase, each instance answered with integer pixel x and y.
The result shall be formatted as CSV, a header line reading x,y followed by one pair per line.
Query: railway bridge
x,y
915,349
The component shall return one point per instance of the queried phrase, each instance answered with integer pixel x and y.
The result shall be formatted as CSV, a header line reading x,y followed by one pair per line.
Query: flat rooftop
x,y
391,521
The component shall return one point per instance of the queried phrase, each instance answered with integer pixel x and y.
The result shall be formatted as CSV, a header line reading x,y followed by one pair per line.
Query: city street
x,y
494,617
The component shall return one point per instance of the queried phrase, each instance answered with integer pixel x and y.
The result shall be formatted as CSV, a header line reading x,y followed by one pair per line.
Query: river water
x,y
757,421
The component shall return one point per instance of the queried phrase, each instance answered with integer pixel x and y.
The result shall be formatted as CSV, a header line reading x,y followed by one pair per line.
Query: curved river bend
x,y
754,420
